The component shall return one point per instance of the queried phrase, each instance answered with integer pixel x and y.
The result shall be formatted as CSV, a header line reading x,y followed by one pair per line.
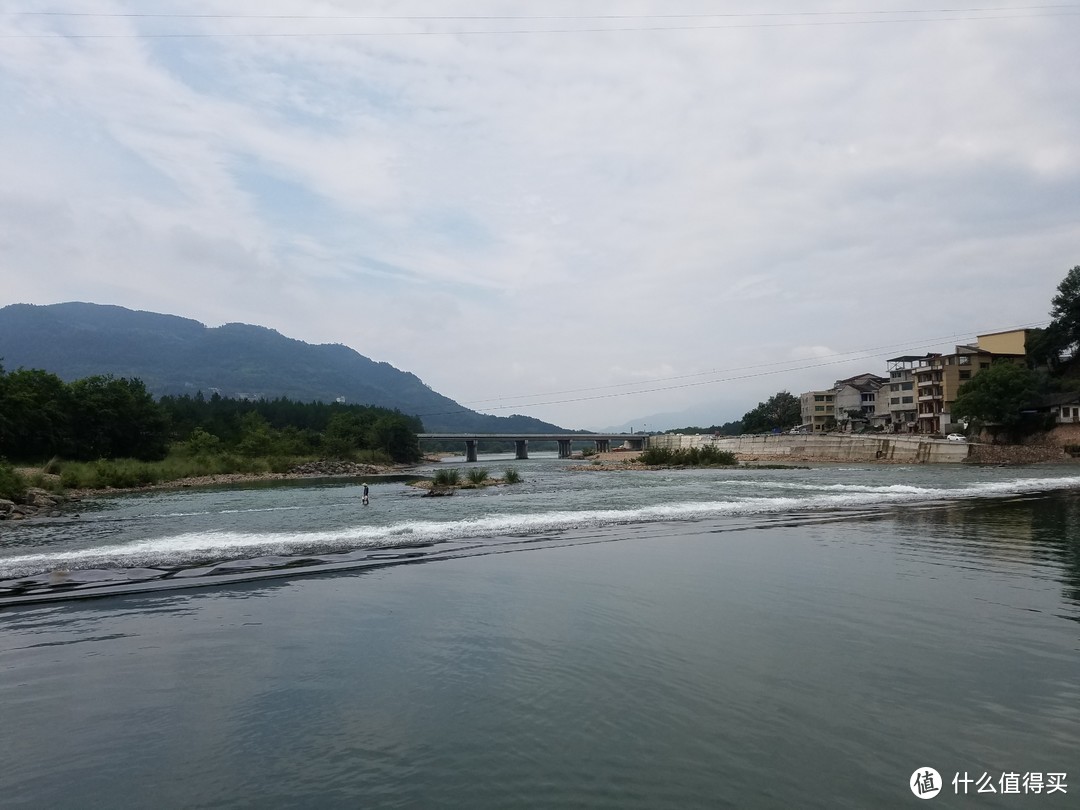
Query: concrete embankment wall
x,y
829,447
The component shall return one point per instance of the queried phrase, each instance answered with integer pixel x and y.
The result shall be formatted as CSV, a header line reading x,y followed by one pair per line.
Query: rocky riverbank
x,y
1016,454
38,503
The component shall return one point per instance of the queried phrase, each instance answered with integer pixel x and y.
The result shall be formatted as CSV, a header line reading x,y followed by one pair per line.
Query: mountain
x,y
703,415
174,355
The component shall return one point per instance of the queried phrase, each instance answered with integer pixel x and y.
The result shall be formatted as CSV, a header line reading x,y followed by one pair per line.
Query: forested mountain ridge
x,y
174,355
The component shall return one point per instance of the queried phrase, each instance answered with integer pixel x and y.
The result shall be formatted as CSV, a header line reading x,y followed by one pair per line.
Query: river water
x,y
665,639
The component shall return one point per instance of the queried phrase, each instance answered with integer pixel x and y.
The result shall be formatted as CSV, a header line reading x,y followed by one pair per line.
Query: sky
x,y
595,213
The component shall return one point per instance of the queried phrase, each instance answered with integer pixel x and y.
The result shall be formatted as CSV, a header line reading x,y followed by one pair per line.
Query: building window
x,y
984,365
819,407
907,386
965,374
908,400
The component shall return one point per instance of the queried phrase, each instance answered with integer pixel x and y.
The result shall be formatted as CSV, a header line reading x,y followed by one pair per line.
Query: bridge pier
x,y
603,445
470,449
564,448
521,449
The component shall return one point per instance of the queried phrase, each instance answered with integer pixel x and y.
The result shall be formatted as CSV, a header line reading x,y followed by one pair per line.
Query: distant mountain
x,y
174,355
703,415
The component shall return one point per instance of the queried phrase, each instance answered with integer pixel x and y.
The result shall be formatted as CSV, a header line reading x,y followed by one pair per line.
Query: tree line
x,y
104,417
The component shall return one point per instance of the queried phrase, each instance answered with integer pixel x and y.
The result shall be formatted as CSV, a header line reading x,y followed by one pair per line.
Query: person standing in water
x,y
365,499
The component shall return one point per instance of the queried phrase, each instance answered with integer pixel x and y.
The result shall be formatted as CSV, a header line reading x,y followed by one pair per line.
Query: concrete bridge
x,y
521,440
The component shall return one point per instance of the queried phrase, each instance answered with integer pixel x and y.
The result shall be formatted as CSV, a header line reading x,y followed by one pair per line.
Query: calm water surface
x,y
743,638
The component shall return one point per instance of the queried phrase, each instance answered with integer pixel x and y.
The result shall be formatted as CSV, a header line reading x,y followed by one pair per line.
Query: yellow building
x,y
1013,342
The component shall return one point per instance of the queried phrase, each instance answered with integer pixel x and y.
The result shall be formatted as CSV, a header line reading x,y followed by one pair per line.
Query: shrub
x,y
707,456
281,464
512,476
372,457
12,485
478,475
201,443
447,478
71,478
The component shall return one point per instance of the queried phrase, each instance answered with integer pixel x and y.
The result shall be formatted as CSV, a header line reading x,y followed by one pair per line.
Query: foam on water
x,y
197,547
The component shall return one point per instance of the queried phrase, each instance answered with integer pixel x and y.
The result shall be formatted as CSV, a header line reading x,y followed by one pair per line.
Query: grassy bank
x,y
59,475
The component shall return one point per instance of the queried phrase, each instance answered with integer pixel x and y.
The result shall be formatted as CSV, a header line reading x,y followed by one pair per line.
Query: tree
x,y
780,411
993,398
1066,309
256,436
395,434
35,417
346,432
1045,347
116,418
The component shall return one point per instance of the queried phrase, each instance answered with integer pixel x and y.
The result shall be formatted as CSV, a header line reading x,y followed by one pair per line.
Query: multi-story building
x,y
858,394
1012,343
918,394
899,399
818,410
938,377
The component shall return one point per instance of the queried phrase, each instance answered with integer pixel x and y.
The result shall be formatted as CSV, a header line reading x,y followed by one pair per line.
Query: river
x,y
633,639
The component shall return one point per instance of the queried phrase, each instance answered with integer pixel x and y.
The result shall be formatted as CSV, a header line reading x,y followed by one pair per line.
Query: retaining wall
x,y
828,447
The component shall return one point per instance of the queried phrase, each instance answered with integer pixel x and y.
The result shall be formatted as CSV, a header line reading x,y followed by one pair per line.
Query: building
x,y
856,398
938,377
899,399
1065,408
818,409
1012,343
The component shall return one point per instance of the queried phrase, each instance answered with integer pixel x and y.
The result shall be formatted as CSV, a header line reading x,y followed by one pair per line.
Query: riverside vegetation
x,y
445,482
106,432
687,457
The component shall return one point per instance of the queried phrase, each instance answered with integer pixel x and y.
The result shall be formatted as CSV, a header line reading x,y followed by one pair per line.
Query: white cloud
x,y
508,215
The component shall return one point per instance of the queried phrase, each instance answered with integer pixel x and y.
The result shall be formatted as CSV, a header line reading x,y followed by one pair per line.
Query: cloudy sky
x,y
592,212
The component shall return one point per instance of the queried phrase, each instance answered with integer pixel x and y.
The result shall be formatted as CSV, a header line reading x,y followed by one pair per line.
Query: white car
x,y
956,437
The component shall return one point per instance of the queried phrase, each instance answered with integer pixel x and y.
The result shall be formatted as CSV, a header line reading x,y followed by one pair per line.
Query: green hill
x,y
174,355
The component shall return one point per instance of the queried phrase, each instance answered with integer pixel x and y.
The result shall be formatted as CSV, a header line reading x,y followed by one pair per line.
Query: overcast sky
x,y
588,227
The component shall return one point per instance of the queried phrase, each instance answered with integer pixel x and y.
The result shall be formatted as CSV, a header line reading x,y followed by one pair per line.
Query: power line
x,y
534,31
845,358
531,17
793,364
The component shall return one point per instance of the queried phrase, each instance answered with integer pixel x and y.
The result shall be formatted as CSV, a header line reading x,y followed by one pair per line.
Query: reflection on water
x,y
1034,537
